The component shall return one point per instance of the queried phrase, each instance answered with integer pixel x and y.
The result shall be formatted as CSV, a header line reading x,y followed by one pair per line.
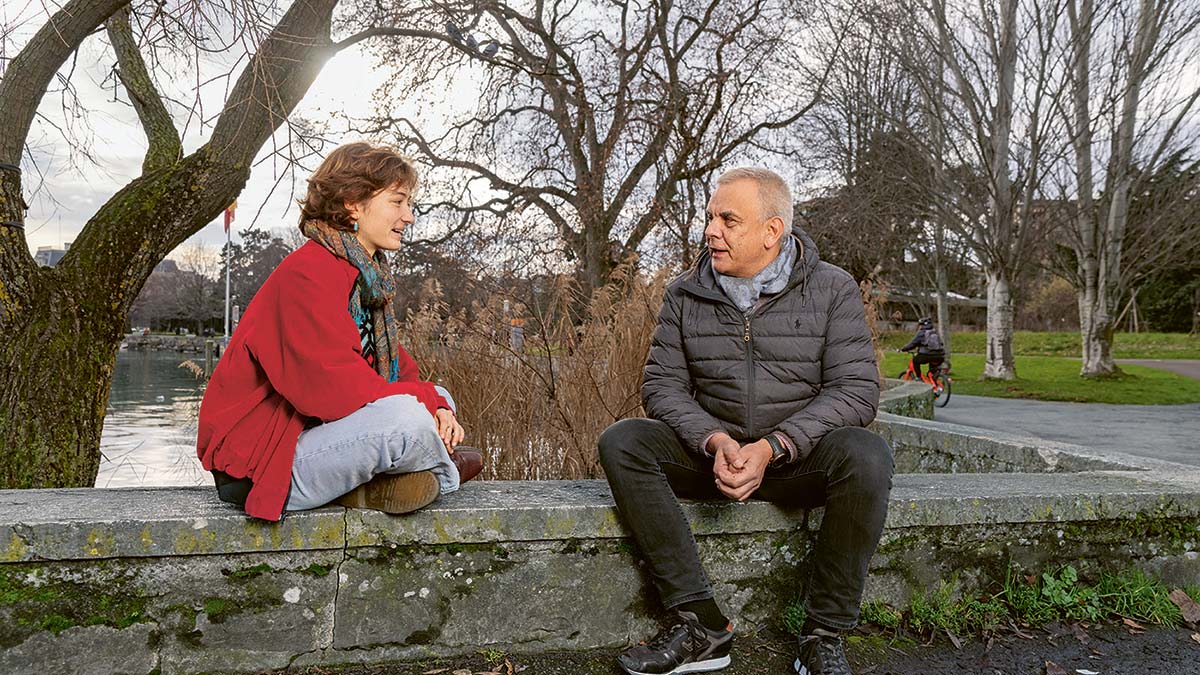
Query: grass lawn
x,y
1028,343
1057,379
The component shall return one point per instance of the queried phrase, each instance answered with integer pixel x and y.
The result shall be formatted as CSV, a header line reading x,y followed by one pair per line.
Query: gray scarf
x,y
745,291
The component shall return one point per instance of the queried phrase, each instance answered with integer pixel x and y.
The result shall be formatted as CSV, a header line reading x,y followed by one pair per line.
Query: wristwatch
x,y
779,454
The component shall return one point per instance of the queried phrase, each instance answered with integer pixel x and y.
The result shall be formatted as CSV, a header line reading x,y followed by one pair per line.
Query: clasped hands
x,y
738,468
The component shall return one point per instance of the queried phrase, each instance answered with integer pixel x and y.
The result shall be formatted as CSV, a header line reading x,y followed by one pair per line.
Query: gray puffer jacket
x,y
800,362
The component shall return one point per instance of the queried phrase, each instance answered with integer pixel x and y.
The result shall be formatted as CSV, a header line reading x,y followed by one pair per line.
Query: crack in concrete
x,y
337,582
337,588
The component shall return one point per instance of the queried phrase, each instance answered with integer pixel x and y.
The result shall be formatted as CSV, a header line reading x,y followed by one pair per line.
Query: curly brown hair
x,y
353,173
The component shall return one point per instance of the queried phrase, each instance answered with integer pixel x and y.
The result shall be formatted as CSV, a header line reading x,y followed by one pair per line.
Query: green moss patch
x,y
30,601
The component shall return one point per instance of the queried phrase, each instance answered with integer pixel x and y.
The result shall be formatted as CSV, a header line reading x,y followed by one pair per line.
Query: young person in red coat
x,y
315,400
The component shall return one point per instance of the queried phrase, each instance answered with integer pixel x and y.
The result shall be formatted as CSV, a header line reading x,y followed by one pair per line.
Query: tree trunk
x,y
943,303
60,328
1095,332
1196,311
1000,364
63,339
54,396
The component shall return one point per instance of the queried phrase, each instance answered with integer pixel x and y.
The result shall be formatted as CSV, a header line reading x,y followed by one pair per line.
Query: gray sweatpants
x,y
395,434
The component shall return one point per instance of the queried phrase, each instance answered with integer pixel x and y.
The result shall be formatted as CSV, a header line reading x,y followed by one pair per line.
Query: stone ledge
x,y
503,565
160,522
170,580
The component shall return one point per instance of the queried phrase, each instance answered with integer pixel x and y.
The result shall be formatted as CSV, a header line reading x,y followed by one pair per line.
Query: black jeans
x,y
933,360
849,472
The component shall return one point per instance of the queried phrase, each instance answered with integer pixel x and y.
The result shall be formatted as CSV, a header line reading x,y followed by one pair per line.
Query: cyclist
x,y
928,345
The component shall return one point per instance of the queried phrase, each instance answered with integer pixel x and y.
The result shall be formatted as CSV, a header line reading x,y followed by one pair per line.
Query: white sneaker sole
x,y
697,667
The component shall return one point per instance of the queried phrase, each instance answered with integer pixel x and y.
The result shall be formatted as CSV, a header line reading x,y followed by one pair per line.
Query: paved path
x,y
1186,367
1168,432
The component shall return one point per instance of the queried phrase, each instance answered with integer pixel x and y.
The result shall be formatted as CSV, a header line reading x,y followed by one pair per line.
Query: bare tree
x,y
60,327
866,215
1002,69
597,115
879,129
1127,62
156,302
199,297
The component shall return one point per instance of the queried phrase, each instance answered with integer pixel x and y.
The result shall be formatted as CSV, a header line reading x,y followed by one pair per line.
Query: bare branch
x,y
165,147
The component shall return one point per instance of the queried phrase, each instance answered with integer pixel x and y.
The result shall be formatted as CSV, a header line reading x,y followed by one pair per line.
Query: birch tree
x,y
1002,69
1131,106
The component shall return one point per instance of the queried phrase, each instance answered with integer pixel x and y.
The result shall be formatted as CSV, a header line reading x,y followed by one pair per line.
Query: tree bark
x,y
942,284
1096,333
1196,312
62,326
1000,364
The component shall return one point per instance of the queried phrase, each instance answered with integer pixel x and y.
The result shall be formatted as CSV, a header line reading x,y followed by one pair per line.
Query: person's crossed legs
x,y
393,435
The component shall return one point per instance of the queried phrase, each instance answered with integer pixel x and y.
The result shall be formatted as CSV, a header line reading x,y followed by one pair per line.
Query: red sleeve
x,y
308,346
408,367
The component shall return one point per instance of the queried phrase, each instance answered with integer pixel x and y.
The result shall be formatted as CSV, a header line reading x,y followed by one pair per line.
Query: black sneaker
x,y
685,647
821,653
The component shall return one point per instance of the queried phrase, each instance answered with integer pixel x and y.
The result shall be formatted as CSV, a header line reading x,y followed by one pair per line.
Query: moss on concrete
x,y
31,600
16,550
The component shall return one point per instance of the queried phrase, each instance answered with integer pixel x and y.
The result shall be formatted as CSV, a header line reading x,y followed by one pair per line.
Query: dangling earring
x,y
356,226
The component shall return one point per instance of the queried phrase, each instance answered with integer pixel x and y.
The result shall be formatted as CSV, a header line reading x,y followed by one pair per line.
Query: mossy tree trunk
x,y
60,327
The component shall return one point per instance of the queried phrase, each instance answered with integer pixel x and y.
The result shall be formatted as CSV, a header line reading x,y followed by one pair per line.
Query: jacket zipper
x,y
749,376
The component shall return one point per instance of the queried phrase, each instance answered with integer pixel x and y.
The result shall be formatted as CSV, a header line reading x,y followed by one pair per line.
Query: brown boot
x,y
393,492
469,462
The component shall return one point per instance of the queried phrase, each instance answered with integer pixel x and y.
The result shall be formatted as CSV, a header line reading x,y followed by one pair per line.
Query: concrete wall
x,y
172,581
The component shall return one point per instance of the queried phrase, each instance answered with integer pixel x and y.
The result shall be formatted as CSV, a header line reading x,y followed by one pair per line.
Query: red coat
x,y
295,358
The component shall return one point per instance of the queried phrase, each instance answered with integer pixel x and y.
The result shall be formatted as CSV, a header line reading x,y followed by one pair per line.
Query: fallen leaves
x,y
1017,631
505,668
1186,605
1134,627
1053,668
954,638
1196,638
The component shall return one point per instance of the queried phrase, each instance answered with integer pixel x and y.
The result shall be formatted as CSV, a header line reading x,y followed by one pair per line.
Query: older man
x,y
760,378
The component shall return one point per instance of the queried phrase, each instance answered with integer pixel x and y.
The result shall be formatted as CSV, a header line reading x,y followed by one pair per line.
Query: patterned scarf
x,y
375,287
744,292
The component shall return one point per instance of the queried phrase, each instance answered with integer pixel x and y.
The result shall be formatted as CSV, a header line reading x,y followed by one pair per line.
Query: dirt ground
x,y
1056,650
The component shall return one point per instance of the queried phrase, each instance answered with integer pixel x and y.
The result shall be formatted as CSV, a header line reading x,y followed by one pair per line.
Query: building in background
x,y
48,256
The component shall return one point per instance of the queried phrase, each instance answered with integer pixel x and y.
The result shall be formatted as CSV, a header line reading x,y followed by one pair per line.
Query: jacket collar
x,y
701,281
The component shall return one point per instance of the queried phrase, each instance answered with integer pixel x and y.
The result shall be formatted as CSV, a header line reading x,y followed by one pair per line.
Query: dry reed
x,y
537,411
874,297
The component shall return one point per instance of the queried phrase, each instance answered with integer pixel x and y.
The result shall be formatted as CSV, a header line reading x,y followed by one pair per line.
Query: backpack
x,y
933,341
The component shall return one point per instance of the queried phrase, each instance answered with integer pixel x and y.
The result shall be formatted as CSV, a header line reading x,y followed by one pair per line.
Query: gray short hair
x,y
774,195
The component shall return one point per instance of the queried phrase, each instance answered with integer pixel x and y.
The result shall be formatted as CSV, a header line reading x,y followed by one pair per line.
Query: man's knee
x,y
626,437
868,455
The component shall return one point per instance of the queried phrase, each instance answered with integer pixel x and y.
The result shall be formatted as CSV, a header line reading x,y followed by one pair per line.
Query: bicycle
x,y
938,381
